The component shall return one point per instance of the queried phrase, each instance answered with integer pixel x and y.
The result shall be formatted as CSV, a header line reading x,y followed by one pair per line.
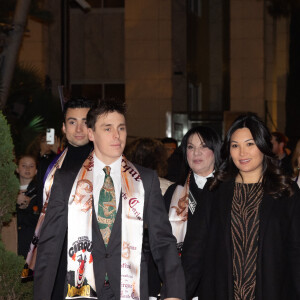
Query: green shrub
x,y
11,267
9,183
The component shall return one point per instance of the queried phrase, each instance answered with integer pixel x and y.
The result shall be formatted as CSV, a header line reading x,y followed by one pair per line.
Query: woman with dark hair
x,y
201,157
254,247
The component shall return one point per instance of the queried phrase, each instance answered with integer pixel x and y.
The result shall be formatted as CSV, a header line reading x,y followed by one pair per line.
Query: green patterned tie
x,y
106,206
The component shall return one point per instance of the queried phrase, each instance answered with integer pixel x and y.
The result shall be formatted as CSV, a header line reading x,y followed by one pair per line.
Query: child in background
x,y
27,208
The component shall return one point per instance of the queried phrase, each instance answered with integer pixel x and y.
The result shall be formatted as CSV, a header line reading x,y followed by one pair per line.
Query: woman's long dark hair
x,y
211,139
274,181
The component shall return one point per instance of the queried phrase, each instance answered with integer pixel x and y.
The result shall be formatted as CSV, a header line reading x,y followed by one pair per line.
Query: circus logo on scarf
x,y
83,244
78,284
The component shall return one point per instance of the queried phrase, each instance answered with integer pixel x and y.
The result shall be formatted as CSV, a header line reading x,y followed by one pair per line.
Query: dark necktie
x,y
106,206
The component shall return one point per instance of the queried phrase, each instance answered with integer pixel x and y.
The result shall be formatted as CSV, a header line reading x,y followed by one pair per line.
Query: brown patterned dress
x,y
244,232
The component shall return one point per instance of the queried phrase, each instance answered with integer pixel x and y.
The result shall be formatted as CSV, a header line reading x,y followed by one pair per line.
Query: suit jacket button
x,y
107,255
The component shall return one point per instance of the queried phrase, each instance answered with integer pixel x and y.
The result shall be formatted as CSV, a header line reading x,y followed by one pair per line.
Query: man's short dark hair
x,y
76,103
168,140
280,137
103,107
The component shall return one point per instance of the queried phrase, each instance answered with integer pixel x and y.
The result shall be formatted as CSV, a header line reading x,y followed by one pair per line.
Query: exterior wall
x,y
148,66
216,49
145,44
53,44
179,56
258,62
97,46
247,56
276,64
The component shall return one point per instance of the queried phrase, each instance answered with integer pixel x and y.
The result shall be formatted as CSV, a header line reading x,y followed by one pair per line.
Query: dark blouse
x,y
245,233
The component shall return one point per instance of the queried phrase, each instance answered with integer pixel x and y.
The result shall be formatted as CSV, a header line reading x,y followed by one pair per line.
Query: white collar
x,y
24,187
115,167
201,180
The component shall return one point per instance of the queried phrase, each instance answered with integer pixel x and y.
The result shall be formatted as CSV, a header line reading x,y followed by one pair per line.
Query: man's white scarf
x,y
81,280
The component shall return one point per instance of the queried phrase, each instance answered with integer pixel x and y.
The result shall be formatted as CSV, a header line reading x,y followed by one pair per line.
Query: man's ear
x,y
64,128
17,170
91,134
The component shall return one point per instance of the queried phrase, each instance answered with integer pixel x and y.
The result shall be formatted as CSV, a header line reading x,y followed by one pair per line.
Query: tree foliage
x,y
30,108
9,184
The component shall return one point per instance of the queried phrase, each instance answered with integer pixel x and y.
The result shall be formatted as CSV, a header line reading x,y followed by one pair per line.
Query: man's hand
x,y
23,200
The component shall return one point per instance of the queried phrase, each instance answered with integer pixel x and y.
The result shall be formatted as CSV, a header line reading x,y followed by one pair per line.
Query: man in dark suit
x,y
106,251
78,148
279,143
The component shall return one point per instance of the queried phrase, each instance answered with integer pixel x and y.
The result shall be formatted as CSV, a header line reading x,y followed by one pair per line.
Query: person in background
x,y
201,157
296,162
150,153
174,157
70,161
170,145
254,246
279,143
45,153
27,209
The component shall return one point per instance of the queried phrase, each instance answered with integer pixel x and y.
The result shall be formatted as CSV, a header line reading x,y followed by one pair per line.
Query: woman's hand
x,y
56,146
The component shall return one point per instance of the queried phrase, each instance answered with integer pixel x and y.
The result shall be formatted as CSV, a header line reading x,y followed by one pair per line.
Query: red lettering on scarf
x,y
133,202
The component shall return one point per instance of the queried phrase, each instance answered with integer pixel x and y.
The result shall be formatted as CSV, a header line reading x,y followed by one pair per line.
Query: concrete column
x,y
148,66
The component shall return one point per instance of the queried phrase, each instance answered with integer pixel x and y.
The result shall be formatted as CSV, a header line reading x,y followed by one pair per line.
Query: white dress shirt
x,y
98,179
200,180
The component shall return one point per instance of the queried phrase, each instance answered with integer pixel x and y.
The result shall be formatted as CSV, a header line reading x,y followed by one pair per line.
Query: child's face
x,y
27,168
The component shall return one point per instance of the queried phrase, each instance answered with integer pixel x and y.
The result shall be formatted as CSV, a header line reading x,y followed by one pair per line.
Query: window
x,y
195,7
195,97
